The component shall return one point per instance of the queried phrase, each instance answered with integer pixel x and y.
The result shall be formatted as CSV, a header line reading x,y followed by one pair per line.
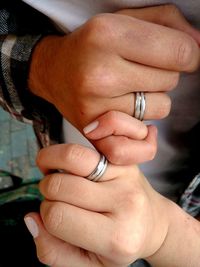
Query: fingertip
x,y
32,224
195,33
47,246
90,127
143,131
153,129
152,141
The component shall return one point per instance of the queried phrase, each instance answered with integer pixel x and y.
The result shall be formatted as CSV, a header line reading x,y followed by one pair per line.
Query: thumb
x,y
50,250
47,246
54,252
166,15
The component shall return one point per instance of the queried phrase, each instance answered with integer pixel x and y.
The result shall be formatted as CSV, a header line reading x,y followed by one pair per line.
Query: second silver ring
x,y
99,170
140,105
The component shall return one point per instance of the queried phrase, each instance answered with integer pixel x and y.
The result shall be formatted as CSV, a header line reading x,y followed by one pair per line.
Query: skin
x,y
121,218
97,68
110,223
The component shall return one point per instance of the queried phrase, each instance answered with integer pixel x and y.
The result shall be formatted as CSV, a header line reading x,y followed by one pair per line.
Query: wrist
x,y
164,225
182,242
161,225
43,61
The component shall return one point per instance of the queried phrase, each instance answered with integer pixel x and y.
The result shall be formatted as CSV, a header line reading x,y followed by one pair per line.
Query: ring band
x,y
99,170
143,106
137,105
140,105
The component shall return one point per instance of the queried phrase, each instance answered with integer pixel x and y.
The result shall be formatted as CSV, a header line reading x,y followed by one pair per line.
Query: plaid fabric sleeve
x,y
21,27
15,52
190,200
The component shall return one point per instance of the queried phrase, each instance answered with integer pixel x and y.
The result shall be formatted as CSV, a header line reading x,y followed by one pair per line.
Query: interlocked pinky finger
x,y
121,150
55,252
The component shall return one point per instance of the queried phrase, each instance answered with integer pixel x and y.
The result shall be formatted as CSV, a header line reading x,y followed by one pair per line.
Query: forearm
x,y
182,244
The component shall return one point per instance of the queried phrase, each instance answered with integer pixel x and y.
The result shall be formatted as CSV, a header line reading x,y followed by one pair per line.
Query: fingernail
x,y
90,127
32,226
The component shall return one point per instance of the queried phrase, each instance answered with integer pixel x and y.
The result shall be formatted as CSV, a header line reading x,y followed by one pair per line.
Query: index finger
x,y
148,43
74,159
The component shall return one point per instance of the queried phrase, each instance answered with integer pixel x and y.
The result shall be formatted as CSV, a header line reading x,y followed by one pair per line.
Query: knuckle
x,y
112,117
125,243
97,29
119,245
47,256
129,199
132,192
133,199
52,216
94,79
127,239
186,54
101,79
73,153
117,153
53,186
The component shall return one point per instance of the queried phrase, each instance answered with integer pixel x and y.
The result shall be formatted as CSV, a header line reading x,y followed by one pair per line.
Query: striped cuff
x,y
14,68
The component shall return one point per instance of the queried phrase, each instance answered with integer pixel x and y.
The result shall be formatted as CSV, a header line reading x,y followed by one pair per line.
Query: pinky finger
x,y
53,251
118,124
122,150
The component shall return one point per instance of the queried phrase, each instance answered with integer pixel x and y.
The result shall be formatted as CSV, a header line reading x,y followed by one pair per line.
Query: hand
x,y
123,139
83,223
98,67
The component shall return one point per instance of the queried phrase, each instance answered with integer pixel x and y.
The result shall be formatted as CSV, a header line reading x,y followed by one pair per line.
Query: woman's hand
x,y
110,223
83,223
122,138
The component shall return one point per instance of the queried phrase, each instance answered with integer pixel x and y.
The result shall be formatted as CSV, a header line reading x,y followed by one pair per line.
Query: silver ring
x,y
140,105
99,170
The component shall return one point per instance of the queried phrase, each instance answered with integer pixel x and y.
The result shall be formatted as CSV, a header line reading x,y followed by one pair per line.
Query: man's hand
x,y
97,68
